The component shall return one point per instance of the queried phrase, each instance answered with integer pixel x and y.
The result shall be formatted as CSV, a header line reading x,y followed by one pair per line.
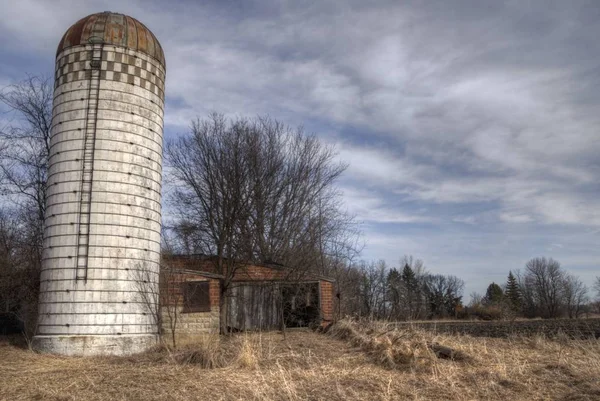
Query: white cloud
x,y
515,217
486,115
371,208
465,219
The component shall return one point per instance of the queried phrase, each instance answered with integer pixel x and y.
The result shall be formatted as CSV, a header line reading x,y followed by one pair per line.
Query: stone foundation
x,y
191,326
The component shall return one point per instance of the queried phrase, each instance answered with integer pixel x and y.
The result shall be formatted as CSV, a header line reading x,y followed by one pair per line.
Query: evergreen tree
x,y
513,293
494,295
412,299
409,278
394,290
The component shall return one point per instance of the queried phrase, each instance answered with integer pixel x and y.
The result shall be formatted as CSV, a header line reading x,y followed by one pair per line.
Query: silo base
x,y
94,345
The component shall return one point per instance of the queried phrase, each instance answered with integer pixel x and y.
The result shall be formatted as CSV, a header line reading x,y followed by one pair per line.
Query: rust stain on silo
x,y
115,29
114,32
132,36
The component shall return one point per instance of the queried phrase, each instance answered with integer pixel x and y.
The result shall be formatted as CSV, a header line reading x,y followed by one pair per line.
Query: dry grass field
x,y
351,362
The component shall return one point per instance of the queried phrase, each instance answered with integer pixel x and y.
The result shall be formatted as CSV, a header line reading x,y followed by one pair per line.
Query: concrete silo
x,y
99,277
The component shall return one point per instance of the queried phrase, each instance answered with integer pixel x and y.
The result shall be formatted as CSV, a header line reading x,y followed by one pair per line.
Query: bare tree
x,y
544,278
349,281
339,245
373,291
26,144
443,294
597,287
171,299
252,191
24,152
575,295
10,265
164,306
476,300
146,282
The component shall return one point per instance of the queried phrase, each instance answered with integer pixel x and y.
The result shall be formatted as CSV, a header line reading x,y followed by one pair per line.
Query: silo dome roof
x,y
115,29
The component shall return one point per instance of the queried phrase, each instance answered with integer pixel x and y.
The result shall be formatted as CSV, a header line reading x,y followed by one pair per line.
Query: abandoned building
x,y
258,297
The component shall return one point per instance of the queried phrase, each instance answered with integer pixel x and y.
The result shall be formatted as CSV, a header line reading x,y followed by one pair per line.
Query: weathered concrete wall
x,y
190,326
106,312
575,328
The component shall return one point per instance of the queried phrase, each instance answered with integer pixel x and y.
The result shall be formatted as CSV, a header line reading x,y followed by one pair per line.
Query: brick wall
x,y
326,301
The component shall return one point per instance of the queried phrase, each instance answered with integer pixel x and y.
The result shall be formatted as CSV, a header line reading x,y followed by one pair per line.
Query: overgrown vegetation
x,y
353,361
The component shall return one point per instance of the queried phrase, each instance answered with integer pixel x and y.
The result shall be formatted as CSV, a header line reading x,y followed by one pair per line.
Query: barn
x,y
259,297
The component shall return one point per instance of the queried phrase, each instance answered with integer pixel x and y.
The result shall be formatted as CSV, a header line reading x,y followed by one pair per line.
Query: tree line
x,y
543,289
373,290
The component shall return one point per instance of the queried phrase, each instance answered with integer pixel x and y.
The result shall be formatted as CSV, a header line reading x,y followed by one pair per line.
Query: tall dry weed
x,y
248,352
208,352
205,352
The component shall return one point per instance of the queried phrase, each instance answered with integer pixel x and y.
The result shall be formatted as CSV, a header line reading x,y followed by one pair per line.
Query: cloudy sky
x,y
471,128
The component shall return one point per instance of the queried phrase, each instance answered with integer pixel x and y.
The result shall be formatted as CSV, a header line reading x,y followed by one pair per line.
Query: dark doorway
x,y
301,305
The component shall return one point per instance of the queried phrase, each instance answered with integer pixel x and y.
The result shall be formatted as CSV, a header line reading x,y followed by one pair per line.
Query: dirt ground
x,y
305,365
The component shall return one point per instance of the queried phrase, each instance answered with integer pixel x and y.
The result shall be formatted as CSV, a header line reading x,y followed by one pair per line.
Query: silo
x,y
99,279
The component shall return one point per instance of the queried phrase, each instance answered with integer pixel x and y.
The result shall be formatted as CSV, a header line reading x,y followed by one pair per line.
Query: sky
x,y
470,128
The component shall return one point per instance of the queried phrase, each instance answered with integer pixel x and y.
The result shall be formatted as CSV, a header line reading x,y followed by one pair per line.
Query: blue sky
x,y
470,127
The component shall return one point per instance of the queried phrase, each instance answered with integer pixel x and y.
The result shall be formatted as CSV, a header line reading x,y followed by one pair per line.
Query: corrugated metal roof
x,y
116,29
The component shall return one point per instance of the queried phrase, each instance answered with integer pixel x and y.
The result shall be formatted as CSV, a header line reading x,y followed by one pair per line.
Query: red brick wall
x,y
171,287
326,301
215,292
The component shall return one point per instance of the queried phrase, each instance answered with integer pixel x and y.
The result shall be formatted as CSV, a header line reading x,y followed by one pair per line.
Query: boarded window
x,y
196,297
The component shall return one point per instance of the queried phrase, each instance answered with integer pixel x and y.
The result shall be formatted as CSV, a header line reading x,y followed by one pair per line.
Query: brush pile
x,y
391,347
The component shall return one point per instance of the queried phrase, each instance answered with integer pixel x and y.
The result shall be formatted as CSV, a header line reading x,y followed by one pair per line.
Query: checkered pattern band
x,y
115,66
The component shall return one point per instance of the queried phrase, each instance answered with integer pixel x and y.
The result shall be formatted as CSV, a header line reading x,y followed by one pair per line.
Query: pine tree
x,y
513,293
394,289
408,275
493,295
413,293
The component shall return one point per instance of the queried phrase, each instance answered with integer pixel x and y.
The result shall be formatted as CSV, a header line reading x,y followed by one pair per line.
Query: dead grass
x,y
351,362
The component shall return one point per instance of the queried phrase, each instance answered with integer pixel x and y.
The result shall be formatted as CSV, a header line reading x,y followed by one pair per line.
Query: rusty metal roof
x,y
115,29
